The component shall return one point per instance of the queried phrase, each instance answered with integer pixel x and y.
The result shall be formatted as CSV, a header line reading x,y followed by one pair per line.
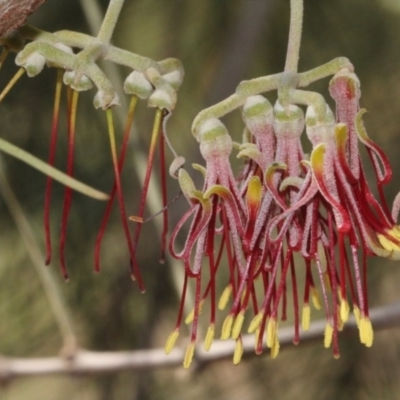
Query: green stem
x,y
296,24
54,173
110,20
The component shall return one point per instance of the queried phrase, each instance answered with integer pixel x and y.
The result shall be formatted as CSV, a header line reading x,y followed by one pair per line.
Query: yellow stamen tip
x,y
366,331
190,317
209,338
237,326
255,322
188,355
238,353
271,332
327,282
223,300
328,336
315,298
306,317
275,349
385,241
227,327
344,310
169,345
257,338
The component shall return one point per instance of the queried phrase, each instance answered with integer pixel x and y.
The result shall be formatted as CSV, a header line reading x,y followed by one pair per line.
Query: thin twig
x,y
90,362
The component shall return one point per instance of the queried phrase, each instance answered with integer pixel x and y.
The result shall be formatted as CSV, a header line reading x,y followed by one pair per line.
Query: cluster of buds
x,y
287,221
76,56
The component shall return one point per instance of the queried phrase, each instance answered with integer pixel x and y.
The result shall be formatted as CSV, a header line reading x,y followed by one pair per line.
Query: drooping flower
x,y
218,202
285,206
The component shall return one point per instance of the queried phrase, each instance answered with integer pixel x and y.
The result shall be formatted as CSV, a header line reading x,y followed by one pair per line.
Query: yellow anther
x,y
227,327
357,315
190,317
237,355
327,282
275,349
366,332
257,337
189,355
344,310
315,298
170,343
225,296
271,332
340,322
255,322
305,317
328,335
237,326
209,337
386,243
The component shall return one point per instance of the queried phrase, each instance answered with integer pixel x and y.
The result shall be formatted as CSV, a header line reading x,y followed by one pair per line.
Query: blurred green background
x,y
220,43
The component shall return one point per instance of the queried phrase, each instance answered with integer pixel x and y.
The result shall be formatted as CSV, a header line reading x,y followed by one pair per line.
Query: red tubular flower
x,y
218,201
285,206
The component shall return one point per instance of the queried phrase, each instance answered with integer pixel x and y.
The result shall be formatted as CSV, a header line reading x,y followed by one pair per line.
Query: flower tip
x,y
366,331
344,310
255,323
190,317
209,337
272,330
170,343
275,349
227,327
238,353
223,300
189,355
237,325
306,317
328,335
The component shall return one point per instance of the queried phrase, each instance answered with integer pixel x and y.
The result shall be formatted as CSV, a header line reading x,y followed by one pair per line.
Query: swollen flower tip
x,y
391,240
227,327
272,330
344,310
238,353
328,335
306,316
275,349
189,318
209,337
189,355
315,298
237,325
366,331
170,343
255,323
223,300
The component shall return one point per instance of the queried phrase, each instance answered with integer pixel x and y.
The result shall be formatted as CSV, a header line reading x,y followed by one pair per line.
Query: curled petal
x,y
341,138
317,165
227,196
378,157
251,151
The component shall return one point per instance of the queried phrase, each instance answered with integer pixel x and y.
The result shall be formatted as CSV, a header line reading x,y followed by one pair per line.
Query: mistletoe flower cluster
x,y
288,222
